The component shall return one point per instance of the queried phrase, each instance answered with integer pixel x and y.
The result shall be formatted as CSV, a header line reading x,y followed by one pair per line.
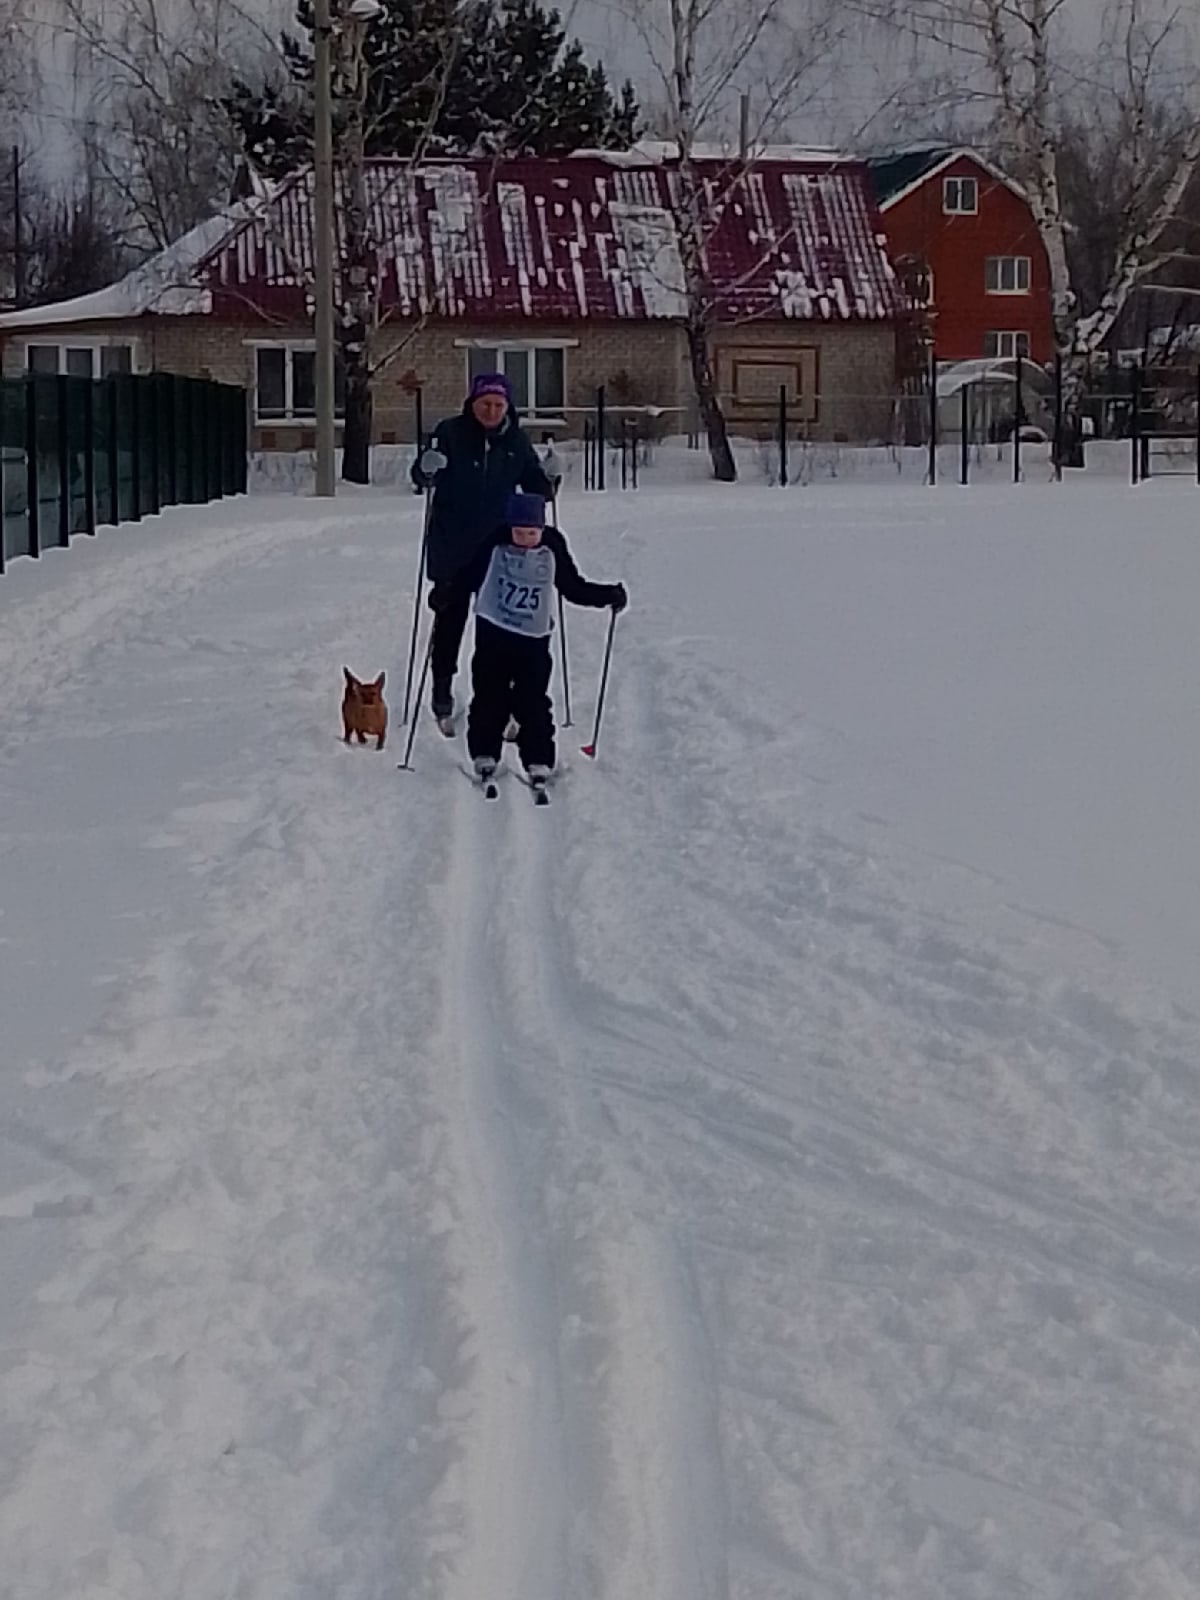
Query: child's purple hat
x,y
525,511
490,383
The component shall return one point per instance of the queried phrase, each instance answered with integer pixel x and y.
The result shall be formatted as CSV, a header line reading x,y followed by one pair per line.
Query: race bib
x,y
518,589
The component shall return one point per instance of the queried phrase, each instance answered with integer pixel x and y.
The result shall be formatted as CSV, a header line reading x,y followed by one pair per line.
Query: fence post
x,y
135,447
933,416
624,452
633,429
1198,424
1058,416
152,478
62,441
419,418
113,444
32,487
1018,424
965,441
1135,426
783,436
89,455
600,451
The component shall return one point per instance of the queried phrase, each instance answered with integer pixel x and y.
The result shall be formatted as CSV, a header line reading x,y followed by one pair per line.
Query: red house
x,y
963,239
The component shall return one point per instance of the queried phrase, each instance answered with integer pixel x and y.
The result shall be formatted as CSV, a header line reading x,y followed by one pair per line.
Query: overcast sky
x,y
855,96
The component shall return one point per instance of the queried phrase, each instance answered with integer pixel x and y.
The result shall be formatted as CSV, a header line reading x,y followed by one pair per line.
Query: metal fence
x,y
77,453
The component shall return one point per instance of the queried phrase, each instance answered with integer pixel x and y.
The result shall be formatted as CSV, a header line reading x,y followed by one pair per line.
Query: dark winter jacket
x,y
568,579
482,469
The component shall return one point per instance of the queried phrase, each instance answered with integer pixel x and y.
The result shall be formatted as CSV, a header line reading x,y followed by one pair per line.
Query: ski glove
x,y
431,463
439,597
618,599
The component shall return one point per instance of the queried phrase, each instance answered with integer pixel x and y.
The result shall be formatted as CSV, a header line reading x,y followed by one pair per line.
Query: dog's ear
x,y
351,680
379,680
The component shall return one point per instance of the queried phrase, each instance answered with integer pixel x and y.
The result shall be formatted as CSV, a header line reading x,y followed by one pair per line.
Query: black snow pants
x,y
449,624
510,677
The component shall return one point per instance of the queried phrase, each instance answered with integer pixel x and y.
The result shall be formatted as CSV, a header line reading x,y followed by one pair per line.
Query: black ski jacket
x,y
470,492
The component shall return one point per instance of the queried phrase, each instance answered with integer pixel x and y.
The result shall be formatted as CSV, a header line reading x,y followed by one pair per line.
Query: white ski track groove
x,y
586,1393
648,1529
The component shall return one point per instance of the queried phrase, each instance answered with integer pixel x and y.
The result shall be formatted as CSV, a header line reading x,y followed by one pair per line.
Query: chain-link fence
x,y
76,454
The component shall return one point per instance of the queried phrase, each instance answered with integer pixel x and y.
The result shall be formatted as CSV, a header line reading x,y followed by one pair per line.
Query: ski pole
x,y
406,764
551,459
562,650
416,611
590,749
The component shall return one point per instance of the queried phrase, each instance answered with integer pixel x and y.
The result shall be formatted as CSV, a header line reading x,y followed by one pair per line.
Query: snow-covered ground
x,y
773,1173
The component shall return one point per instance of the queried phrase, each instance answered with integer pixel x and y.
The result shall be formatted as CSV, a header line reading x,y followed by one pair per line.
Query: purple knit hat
x,y
490,383
525,511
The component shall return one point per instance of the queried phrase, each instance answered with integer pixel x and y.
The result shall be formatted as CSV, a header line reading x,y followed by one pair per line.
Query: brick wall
x,y
841,380
596,353
843,383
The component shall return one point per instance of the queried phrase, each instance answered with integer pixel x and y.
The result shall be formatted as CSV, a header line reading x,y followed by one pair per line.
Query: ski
x,y
540,786
487,785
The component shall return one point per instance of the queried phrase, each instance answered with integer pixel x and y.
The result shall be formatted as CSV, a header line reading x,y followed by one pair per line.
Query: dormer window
x,y
960,197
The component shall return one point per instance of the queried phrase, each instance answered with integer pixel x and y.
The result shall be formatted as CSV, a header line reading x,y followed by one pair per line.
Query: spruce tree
x,y
451,78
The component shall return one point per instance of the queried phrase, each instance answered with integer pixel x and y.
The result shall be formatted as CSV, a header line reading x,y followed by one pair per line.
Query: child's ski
x,y
486,783
540,787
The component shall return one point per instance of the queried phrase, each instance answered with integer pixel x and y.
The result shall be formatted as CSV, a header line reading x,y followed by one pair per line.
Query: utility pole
x,y
323,246
18,241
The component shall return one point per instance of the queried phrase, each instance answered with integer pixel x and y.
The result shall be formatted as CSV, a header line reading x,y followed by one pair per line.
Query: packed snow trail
x,y
698,1190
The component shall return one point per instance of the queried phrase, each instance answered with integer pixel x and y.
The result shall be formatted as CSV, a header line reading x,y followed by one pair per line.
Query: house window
x,y
1003,346
79,360
537,374
960,197
285,383
1006,275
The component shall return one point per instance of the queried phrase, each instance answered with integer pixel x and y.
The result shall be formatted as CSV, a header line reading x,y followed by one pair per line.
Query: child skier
x,y
514,577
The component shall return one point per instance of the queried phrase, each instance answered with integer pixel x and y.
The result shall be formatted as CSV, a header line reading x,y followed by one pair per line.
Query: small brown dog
x,y
363,710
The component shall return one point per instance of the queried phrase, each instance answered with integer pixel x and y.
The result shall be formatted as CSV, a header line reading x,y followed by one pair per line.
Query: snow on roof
x,y
166,284
658,151
581,237
955,377
537,240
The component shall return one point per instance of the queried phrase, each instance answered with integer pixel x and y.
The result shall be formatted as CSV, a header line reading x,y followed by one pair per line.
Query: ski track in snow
x,y
662,1196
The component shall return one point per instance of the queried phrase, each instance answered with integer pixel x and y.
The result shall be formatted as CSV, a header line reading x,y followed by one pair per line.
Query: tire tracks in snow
x,y
590,1462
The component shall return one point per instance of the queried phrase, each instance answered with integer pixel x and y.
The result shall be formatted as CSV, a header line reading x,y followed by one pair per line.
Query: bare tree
x,y
1126,101
709,55
156,76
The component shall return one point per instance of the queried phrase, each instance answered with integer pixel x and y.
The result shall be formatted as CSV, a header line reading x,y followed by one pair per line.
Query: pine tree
x,y
447,77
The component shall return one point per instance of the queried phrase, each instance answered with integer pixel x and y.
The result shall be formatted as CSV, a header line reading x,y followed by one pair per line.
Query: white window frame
x,y
546,416
1022,267
88,341
958,209
291,417
1006,344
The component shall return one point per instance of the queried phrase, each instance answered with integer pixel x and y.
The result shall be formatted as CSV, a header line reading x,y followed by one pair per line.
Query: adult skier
x,y
474,462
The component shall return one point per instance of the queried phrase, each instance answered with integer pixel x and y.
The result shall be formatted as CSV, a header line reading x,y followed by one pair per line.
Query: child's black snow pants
x,y
510,677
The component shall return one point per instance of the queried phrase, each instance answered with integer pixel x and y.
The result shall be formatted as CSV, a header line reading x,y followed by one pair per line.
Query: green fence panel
x,y
76,453
44,445
14,472
74,397
103,475
123,403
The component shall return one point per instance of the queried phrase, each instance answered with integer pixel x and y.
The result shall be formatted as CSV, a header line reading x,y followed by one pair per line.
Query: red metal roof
x,y
580,237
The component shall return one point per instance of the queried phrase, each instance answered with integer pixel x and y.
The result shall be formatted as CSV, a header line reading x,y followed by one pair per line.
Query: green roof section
x,y
891,174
